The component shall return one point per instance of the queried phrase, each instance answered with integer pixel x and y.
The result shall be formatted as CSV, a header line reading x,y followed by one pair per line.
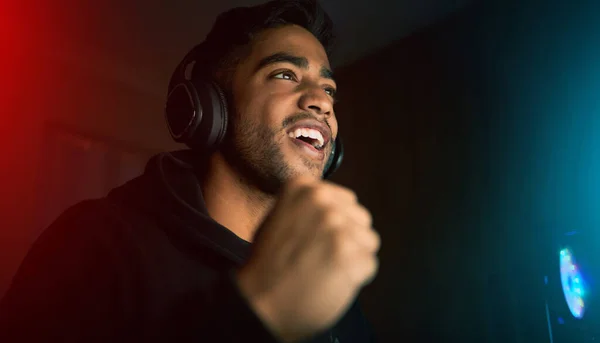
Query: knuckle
x,y
375,240
365,215
331,218
352,195
342,192
349,194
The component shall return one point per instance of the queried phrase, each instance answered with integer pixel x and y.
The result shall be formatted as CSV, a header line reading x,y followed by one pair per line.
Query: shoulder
x,y
85,236
81,247
82,230
87,220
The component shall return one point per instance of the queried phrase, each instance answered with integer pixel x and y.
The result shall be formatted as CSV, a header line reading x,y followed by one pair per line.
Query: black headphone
x,y
196,112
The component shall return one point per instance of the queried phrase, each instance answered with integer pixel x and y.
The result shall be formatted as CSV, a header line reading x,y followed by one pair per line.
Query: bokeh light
x,y
573,283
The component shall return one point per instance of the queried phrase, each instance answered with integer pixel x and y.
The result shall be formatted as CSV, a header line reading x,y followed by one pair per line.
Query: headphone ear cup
x,y
335,159
183,111
219,118
196,115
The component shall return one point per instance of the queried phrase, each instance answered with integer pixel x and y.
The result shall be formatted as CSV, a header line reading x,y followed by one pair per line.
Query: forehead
x,y
292,39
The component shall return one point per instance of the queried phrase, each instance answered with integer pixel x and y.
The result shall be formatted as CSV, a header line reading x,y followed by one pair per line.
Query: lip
x,y
309,149
315,125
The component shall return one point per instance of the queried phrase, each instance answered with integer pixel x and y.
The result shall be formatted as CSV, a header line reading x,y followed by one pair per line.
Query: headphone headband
x,y
183,71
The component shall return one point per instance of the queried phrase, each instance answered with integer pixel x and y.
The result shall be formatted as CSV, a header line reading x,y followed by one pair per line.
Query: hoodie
x,y
145,263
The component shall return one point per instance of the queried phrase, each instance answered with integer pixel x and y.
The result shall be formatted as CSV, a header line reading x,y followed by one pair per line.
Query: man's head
x,y
272,62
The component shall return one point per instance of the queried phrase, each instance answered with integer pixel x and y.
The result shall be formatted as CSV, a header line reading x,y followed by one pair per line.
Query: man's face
x,y
283,89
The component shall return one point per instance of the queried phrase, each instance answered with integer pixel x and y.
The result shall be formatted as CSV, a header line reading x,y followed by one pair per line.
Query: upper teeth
x,y
310,133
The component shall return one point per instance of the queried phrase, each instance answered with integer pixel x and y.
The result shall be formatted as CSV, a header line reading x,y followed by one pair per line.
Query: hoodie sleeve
x,y
227,317
75,286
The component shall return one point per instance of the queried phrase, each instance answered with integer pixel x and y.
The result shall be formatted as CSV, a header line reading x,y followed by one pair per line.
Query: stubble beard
x,y
255,154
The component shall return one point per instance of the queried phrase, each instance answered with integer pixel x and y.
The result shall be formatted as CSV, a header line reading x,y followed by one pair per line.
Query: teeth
x,y
310,133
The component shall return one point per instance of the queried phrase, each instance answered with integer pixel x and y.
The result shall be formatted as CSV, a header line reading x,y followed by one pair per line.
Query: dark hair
x,y
230,39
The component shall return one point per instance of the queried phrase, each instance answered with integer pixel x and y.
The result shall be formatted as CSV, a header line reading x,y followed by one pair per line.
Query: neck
x,y
233,202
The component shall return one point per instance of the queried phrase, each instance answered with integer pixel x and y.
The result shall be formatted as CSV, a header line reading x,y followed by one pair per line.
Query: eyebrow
x,y
300,62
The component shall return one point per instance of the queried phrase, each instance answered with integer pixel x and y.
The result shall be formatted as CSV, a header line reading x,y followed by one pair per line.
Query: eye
x,y
331,91
285,75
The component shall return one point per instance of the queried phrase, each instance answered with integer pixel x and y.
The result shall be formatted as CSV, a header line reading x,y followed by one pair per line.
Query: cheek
x,y
262,112
334,125
275,108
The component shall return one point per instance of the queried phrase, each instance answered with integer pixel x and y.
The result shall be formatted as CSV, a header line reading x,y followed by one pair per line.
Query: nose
x,y
317,101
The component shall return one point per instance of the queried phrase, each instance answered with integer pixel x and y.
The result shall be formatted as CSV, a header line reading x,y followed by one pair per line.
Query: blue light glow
x,y
573,283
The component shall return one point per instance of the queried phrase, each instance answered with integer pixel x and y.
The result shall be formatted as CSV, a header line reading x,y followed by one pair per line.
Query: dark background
x,y
472,141
476,137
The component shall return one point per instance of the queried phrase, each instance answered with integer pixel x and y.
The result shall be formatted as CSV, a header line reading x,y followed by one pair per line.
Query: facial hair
x,y
255,152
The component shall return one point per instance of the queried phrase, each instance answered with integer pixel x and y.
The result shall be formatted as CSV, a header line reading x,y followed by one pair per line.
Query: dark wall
x,y
452,137
414,125
85,101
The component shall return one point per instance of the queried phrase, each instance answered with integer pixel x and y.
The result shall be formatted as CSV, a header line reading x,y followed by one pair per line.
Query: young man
x,y
167,257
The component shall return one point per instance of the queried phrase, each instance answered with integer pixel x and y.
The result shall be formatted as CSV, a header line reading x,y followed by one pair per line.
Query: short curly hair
x,y
229,40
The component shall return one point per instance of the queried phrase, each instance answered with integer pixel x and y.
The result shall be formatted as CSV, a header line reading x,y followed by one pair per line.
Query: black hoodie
x,y
145,263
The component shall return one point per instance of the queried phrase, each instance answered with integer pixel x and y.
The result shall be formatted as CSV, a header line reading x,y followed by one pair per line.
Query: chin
x,y
303,170
298,165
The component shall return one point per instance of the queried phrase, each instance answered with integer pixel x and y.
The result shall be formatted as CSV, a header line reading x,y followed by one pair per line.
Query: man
x,y
174,254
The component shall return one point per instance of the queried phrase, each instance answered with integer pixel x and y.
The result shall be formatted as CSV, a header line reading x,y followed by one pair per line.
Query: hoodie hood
x,y
169,192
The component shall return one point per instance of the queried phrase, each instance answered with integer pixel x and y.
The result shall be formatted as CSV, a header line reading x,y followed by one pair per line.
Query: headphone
x,y
196,112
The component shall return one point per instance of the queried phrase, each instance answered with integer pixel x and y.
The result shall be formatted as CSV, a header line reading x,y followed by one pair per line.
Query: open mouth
x,y
310,137
314,143
308,148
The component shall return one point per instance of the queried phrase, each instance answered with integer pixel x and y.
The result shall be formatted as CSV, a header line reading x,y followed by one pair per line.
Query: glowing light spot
x,y
572,283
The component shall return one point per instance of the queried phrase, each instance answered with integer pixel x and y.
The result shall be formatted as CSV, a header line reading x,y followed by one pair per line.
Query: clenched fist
x,y
314,252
